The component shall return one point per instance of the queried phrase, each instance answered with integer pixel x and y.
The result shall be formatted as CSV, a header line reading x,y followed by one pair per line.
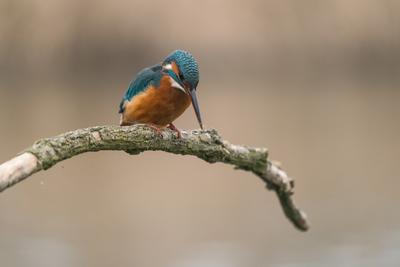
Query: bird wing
x,y
144,78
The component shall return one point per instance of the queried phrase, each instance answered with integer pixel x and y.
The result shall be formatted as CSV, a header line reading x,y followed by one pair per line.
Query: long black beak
x,y
195,104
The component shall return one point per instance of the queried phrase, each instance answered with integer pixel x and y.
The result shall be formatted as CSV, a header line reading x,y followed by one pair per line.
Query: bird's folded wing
x,y
145,78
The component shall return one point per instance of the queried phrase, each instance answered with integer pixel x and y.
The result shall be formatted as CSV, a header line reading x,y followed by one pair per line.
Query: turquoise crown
x,y
187,65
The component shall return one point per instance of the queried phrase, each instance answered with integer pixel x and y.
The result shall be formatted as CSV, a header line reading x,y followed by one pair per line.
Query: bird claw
x,y
159,130
156,129
173,128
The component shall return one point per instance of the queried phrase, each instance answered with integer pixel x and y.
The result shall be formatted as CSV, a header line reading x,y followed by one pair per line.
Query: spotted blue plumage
x,y
187,65
144,79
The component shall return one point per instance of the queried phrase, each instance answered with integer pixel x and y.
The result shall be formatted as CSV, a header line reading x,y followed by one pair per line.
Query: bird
x,y
159,94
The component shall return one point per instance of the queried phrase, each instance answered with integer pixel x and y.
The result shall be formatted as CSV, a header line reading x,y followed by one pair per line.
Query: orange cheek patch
x,y
175,68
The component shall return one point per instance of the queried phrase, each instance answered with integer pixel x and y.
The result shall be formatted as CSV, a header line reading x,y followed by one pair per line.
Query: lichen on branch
x,y
207,145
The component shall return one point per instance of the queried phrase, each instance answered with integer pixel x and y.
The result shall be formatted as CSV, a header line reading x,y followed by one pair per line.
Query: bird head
x,y
183,70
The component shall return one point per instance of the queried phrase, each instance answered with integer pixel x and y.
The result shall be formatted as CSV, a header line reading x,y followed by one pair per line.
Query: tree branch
x,y
207,145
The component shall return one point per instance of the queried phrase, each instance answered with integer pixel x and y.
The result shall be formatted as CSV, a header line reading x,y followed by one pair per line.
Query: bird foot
x,y
156,129
173,128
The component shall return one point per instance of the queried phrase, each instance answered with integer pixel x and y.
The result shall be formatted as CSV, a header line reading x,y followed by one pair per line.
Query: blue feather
x,y
147,77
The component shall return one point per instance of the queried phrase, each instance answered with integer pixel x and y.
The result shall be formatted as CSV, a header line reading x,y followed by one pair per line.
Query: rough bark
x,y
207,145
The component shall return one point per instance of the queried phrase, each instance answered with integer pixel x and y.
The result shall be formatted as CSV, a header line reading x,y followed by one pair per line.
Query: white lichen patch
x,y
239,149
280,178
206,137
96,136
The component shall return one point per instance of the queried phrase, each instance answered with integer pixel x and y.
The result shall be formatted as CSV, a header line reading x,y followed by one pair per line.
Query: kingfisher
x,y
161,93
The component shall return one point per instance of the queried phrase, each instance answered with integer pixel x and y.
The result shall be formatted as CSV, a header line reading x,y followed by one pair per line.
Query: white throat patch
x,y
176,85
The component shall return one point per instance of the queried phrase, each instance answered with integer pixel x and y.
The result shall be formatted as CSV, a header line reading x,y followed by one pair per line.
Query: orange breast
x,y
159,106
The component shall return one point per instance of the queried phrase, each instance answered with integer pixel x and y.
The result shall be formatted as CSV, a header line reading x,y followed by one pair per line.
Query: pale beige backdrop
x,y
317,82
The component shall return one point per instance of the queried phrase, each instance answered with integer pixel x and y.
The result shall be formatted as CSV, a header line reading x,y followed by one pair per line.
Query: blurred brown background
x,y
317,82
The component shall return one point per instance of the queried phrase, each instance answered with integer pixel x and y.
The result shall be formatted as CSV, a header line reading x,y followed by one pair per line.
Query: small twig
x,y
207,145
